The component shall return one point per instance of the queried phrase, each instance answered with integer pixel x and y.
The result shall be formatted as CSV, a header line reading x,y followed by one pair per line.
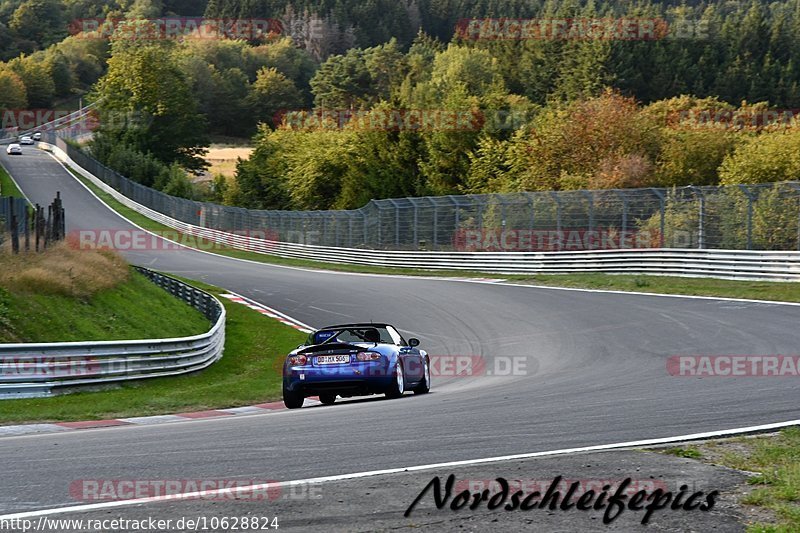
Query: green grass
x,y
135,309
7,185
248,373
688,452
760,290
776,487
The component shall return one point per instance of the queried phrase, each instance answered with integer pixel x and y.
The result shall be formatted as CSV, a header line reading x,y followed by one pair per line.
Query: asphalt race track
x,y
595,373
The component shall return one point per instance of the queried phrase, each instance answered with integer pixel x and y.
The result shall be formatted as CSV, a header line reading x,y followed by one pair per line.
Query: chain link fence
x,y
752,217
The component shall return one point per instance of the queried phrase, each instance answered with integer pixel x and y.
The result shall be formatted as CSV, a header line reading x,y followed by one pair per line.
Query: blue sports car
x,y
354,360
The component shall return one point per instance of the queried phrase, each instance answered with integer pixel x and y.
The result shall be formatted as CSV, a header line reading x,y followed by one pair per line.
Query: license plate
x,y
333,359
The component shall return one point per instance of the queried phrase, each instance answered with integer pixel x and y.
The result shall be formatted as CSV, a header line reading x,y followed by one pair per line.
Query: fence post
x,y
662,212
750,198
416,223
14,228
557,199
624,232
701,229
530,198
366,239
435,225
396,222
456,216
590,198
28,215
796,188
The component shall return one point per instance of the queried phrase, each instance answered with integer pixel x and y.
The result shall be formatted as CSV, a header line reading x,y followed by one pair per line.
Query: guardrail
x,y
35,369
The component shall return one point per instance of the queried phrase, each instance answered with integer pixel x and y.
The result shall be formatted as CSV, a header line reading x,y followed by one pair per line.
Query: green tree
x,y
12,91
38,80
272,93
39,20
145,82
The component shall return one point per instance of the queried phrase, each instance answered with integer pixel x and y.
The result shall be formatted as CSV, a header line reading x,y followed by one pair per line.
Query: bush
x,y
767,158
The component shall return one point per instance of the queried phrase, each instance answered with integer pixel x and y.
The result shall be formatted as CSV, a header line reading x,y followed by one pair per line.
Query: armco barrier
x,y
36,369
726,264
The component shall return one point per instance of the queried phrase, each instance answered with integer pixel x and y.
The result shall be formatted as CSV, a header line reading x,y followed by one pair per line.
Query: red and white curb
x,y
269,312
58,427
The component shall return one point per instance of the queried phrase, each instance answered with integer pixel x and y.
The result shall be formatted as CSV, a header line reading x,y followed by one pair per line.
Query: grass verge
x,y
772,497
759,290
63,295
248,373
7,185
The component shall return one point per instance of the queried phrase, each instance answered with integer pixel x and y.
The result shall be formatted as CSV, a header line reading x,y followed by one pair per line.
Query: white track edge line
x,y
417,468
273,310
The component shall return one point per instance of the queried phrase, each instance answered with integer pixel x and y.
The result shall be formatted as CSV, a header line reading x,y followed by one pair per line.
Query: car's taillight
x,y
298,360
368,356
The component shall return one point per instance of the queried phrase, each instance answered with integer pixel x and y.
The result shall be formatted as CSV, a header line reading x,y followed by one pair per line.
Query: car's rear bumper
x,y
354,378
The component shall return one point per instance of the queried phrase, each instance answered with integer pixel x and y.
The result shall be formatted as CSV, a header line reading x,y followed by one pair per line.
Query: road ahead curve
x,y
595,374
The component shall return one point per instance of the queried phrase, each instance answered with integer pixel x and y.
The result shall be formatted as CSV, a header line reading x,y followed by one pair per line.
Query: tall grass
x,y
61,270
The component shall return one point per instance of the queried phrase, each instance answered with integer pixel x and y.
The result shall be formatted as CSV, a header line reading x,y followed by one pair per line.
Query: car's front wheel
x,y
425,385
398,384
293,399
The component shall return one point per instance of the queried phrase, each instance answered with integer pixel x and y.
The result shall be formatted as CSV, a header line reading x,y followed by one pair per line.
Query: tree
x,y
596,141
260,180
36,76
12,91
272,93
39,20
229,112
343,82
145,82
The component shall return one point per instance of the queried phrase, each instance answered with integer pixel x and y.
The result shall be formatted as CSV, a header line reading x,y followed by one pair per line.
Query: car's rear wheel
x,y
292,399
327,398
398,385
424,386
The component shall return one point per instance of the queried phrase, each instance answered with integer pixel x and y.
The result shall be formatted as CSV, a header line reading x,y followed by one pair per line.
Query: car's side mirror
x,y
413,342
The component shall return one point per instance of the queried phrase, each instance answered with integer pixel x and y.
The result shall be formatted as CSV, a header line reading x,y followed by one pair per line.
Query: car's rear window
x,y
352,335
